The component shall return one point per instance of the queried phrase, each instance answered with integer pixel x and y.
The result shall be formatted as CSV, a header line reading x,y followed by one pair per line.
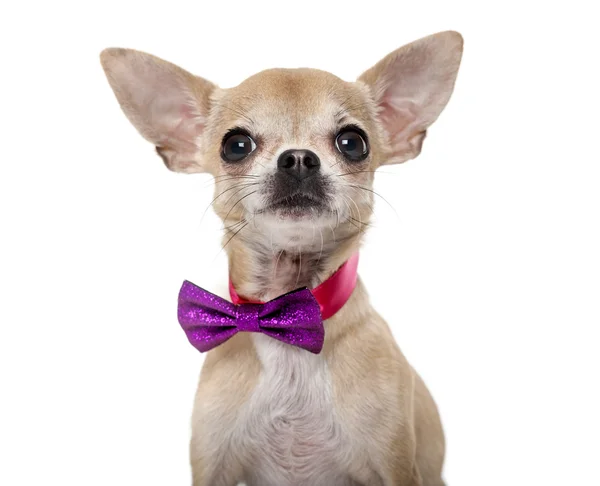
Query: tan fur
x,y
387,428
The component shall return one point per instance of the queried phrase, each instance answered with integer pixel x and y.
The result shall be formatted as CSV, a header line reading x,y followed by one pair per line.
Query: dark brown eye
x,y
237,147
352,145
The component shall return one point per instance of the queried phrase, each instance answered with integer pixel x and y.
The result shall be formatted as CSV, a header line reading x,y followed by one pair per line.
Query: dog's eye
x,y
237,146
352,145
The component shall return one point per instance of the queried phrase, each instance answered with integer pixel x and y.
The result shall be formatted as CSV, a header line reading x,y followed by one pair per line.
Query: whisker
x,y
235,175
360,222
243,179
237,202
245,184
336,164
220,194
226,177
331,227
299,266
368,201
357,211
234,235
364,171
350,218
277,263
321,252
377,194
236,193
229,228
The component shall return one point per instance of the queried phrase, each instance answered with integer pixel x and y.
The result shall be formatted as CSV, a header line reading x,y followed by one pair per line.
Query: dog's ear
x,y
411,87
168,105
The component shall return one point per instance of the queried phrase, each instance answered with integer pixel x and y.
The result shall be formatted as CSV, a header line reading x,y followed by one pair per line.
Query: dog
x,y
293,153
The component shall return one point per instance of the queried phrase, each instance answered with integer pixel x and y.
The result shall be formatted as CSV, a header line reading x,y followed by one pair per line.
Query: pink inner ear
x,y
186,111
187,125
397,118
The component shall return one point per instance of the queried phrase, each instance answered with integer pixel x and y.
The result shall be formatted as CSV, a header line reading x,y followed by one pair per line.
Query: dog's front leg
x,y
213,473
217,455
398,475
401,467
411,479
404,469
211,458
401,474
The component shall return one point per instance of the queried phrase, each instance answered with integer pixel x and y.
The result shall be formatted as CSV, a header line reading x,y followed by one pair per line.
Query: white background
x,y
489,273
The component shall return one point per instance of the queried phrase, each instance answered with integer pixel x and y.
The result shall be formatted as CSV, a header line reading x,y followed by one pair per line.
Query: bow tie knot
x,y
247,317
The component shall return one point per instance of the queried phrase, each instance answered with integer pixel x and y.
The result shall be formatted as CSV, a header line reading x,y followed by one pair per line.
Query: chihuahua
x,y
293,153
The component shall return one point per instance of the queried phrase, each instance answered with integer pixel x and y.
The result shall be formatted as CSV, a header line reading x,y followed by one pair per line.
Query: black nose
x,y
299,163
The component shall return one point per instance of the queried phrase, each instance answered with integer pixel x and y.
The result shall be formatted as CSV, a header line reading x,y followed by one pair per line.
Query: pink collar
x,y
331,294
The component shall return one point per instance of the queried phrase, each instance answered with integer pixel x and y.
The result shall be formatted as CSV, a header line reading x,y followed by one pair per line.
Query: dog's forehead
x,y
294,100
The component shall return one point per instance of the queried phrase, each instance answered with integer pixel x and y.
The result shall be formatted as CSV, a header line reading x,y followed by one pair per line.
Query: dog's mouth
x,y
297,205
296,199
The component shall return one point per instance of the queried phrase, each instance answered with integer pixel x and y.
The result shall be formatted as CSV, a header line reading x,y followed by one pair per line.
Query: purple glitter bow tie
x,y
209,320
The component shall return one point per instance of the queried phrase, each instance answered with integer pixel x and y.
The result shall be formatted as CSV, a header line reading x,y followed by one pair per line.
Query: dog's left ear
x,y
411,87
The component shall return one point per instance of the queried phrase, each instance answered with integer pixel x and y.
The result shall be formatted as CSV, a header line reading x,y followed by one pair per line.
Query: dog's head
x,y
292,151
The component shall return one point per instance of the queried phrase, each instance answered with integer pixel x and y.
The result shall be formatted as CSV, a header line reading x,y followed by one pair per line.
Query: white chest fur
x,y
290,421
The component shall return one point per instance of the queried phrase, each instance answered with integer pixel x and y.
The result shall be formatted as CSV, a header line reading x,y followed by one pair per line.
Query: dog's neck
x,y
262,270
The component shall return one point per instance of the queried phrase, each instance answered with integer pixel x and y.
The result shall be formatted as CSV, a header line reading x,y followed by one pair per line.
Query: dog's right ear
x,y
168,105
